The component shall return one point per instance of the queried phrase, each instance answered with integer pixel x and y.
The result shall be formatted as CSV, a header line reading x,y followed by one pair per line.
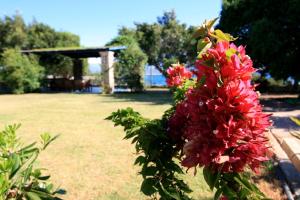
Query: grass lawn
x,y
89,159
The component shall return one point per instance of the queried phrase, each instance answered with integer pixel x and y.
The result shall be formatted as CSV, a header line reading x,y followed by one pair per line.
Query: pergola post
x,y
77,68
107,61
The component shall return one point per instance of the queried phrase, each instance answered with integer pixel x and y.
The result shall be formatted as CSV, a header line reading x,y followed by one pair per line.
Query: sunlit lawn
x,y
90,160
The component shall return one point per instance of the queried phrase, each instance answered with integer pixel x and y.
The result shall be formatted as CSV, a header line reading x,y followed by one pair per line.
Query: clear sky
x,y
98,21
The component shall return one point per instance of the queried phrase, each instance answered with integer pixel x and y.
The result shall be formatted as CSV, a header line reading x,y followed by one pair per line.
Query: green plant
x,y
158,154
19,178
20,73
259,25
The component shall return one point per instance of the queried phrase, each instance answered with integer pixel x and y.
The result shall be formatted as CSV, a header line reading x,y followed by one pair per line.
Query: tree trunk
x,y
160,69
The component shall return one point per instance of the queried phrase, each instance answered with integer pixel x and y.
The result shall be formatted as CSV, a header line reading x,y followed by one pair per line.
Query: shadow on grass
x,y
291,175
280,104
152,96
285,123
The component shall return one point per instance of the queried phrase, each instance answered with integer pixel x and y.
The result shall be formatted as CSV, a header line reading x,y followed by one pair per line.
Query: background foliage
x,y
15,34
19,177
20,73
129,69
271,31
165,41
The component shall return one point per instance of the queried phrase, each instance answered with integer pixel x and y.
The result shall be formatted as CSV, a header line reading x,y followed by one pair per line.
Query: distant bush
x,y
271,85
19,73
19,178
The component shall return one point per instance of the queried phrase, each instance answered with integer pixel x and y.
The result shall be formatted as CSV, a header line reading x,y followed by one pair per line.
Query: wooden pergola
x,y
107,59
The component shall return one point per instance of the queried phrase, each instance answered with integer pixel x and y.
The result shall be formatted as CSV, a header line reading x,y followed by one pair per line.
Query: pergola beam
x,y
76,52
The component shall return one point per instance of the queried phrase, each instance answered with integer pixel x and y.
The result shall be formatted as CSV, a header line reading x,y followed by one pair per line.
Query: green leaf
x,y
204,28
174,167
209,177
229,193
16,164
218,194
47,139
220,36
244,193
148,186
171,193
130,135
27,147
140,160
210,23
200,32
42,193
44,177
202,81
244,183
229,52
134,140
203,45
149,171
49,187
32,196
183,186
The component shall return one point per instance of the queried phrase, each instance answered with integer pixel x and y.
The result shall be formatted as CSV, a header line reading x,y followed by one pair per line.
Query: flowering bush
x,y
216,121
220,123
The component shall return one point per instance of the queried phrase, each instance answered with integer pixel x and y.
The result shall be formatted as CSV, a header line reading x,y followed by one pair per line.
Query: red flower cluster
x,y
177,74
220,123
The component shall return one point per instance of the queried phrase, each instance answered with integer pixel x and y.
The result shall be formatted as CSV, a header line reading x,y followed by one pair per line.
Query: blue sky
x,y
98,21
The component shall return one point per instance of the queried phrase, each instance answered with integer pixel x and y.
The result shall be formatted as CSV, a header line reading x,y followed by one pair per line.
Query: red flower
x,y
220,123
177,74
223,198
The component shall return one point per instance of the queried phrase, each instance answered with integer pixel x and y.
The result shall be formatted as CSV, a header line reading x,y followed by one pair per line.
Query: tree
x,y
270,28
57,65
166,41
13,32
148,37
20,73
67,39
43,36
129,70
40,36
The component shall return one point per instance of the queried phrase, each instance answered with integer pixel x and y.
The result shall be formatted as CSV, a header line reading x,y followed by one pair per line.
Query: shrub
x,y
19,178
19,73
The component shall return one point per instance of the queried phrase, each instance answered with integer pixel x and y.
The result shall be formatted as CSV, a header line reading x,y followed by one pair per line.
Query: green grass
x,y
90,160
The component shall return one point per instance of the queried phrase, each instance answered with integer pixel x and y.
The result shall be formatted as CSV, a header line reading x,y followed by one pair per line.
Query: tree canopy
x,y
271,30
165,41
13,32
19,73
16,34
